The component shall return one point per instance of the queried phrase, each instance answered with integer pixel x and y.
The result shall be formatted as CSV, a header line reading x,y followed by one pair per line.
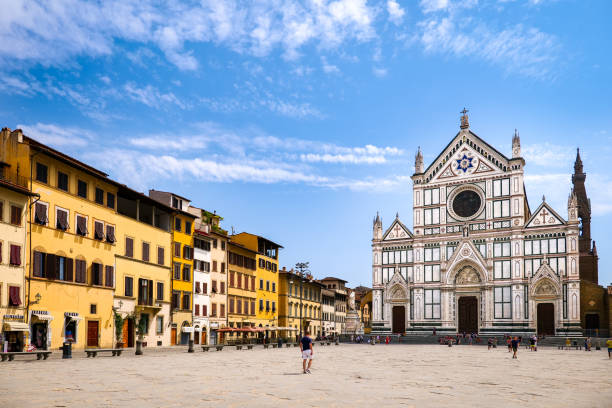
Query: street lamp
x,y
301,268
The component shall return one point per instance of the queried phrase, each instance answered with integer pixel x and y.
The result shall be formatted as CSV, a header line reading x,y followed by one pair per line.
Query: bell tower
x,y
588,256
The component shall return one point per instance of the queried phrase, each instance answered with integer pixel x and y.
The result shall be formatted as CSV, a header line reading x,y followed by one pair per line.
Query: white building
x,y
479,259
201,282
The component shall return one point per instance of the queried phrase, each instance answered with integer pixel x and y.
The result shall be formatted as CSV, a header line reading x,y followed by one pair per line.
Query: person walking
x,y
515,345
609,344
306,344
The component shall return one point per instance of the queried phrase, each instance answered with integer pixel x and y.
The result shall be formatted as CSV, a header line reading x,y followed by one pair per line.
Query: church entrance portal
x,y
546,319
468,314
399,319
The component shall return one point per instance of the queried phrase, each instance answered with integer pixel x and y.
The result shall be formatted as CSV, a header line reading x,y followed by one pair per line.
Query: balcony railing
x,y
13,177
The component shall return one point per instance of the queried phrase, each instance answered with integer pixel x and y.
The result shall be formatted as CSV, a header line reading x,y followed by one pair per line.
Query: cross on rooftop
x,y
543,214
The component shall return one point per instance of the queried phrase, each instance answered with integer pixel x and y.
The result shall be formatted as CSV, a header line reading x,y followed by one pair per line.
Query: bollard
x,y
190,349
67,350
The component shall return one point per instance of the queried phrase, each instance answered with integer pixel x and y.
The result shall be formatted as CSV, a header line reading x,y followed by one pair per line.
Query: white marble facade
x,y
478,257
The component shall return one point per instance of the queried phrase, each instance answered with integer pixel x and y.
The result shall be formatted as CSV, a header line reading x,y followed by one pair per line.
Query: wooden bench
x,y
205,348
238,347
249,347
94,352
219,348
10,355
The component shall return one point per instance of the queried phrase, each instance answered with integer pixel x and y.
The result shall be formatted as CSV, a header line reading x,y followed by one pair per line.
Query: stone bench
x,y
219,348
275,345
288,345
575,347
238,347
94,352
295,345
249,347
329,343
322,343
266,346
10,355
205,348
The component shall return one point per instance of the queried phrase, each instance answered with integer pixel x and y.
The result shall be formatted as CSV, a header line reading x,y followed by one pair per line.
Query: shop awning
x,y
45,317
187,329
287,328
16,326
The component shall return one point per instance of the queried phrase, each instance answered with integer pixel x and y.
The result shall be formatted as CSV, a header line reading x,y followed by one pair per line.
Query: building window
x,y
41,213
526,300
531,266
231,305
205,310
110,200
545,246
267,305
501,249
99,196
223,245
42,172
482,248
186,273
201,244
222,267
93,309
176,299
145,251
214,310
502,269
110,234
177,271
15,255
98,230
187,252
273,286
188,227
565,301
177,224
502,302
268,286
14,296
81,223
129,286
129,247
214,243
214,286
501,187
145,292
96,274
62,181
432,303
231,274
61,217
431,196
222,288
432,216
159,325
196,310
221,310
501,208
82,189
432,254
80,271
204,288
432,273
214,266
160,255
15,215
261,304
109,280
177,249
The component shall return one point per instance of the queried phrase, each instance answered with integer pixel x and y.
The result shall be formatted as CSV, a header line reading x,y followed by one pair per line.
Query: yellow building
x,y
143,264
14,200
299,304
266,280
70,260
241,293
182,265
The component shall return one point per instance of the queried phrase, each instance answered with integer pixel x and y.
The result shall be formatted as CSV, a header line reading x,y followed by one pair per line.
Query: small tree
x,y
141,327
119,325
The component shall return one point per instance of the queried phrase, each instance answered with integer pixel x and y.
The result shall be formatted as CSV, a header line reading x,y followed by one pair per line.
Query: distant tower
x,y
588,257
465,123
418,162
377,227
516,145
572,207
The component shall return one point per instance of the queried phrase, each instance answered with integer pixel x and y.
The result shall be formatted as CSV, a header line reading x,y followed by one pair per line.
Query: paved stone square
x,y
359,375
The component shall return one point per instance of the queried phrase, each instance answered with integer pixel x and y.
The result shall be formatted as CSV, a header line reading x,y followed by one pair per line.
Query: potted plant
x,y
119,329
140,332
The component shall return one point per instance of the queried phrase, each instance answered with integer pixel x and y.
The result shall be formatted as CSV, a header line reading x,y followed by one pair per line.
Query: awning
x,y
187,329
75,318
287,328
42,316
16,326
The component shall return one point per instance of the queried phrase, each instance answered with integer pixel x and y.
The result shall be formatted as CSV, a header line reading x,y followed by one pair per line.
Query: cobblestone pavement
x,y
360,375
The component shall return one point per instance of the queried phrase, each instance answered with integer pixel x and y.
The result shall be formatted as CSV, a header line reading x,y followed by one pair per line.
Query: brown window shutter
x,y
14,296
110,234
98,231
222,267
177,249
81,226
160,256
129,247
197,310
222,310
145,252
150,292
222,291
204,310
40,215
252,283
231,279
69,268
15,258
109,276
205,288
197,287
50,266
253,307
1,249
214,266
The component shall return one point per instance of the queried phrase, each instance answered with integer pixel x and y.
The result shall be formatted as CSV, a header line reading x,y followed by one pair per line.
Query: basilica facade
x,y
480,257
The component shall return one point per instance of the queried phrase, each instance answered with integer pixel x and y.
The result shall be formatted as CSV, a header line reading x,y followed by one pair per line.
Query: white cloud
x,y
57,136
329,68
105,79
151,96
379,72
548,154
517,48
429,6
396,12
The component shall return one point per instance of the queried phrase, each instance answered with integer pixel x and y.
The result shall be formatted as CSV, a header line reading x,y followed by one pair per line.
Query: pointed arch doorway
x,y
468,314
399,319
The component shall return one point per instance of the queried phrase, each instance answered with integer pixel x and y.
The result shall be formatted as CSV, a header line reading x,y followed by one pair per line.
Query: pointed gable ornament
x,y
465,124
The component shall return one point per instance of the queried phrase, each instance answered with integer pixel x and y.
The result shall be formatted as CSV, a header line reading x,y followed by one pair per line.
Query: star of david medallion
x,y
464,163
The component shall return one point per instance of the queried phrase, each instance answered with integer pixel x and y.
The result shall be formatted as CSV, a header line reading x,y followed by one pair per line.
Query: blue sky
x,y
298,120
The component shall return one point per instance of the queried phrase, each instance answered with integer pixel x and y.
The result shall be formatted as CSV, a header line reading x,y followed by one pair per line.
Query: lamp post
x,y
301,268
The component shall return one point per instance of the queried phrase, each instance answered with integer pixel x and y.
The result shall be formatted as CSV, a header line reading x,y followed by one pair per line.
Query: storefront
x,y
71,327
212,338
40,329
14,333
186,332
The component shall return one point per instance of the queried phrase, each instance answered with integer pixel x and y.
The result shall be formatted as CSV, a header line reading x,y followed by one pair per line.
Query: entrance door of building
x,y
399,319
173,336
92,333
546,319
591,324
468,314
